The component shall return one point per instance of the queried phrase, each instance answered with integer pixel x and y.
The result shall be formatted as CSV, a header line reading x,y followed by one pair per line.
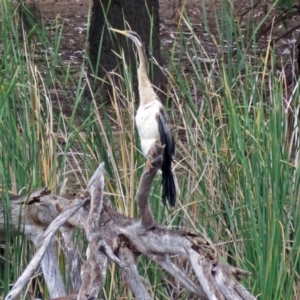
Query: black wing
x,y
166,138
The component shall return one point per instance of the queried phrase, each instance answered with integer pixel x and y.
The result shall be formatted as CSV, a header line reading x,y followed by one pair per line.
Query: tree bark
x,y
142,17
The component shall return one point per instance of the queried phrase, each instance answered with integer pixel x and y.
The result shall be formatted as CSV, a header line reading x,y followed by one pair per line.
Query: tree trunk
x,y
142,17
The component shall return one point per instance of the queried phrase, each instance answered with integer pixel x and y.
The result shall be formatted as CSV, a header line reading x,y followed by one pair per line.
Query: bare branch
x,y
224,283
110,233
94,269
224,277
132,275
159,242
44,243
51,272
243,293
203,269
16,211
93,273
166,263
73,255
144,188
96,186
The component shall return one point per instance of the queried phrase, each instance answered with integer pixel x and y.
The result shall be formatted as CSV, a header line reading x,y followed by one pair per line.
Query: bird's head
x,y
131,35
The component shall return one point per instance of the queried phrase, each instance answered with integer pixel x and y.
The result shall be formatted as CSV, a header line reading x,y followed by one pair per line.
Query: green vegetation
x,y
237,136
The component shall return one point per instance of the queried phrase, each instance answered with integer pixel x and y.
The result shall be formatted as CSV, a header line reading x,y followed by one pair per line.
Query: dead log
x,y
115,238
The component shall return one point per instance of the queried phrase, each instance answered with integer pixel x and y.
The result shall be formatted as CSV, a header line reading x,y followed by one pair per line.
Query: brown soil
x,y
73,16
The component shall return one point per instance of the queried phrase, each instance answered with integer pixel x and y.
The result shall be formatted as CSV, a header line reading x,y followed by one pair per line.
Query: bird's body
x,y
152,122
146,123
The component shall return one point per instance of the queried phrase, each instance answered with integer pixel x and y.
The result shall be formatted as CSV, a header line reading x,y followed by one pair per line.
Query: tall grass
x,y
243,140
237,148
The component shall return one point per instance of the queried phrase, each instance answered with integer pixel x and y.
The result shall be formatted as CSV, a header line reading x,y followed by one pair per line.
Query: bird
x,y
152,121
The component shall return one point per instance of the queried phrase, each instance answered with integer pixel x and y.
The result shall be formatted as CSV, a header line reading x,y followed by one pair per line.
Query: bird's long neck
x,y
146,90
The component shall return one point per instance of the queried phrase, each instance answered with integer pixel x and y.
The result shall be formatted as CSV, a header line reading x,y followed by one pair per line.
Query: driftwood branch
x,y
165,262
51,271
94,269
43,246
132,276
113,237
74,257
147,220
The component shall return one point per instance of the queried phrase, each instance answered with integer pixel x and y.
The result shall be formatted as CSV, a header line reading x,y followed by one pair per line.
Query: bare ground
x,y
73,15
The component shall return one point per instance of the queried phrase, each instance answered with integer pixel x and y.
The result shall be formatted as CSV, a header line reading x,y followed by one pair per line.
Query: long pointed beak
x,y
124,32
130,34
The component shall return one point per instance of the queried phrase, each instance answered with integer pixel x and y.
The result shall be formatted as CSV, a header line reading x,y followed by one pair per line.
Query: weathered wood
x,y
165,262
203,270
17,212
74,258
132,276
42,247
51,271
143,191
93,271
224,277
114,237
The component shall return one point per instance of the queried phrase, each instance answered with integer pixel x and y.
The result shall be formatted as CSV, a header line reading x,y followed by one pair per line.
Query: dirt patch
x,y
69,16
72,17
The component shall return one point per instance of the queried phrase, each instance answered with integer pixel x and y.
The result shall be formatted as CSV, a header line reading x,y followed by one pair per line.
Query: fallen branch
x,y
43,246
93,271
114,237
132,276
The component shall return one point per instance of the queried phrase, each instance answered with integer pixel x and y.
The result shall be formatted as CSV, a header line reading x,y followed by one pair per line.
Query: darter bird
x,y
152,121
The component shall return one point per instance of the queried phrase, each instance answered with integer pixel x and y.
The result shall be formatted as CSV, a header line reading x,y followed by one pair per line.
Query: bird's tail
x,y
168,185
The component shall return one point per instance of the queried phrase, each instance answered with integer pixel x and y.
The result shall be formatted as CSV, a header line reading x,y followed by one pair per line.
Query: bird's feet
x,y
155,159
149,165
